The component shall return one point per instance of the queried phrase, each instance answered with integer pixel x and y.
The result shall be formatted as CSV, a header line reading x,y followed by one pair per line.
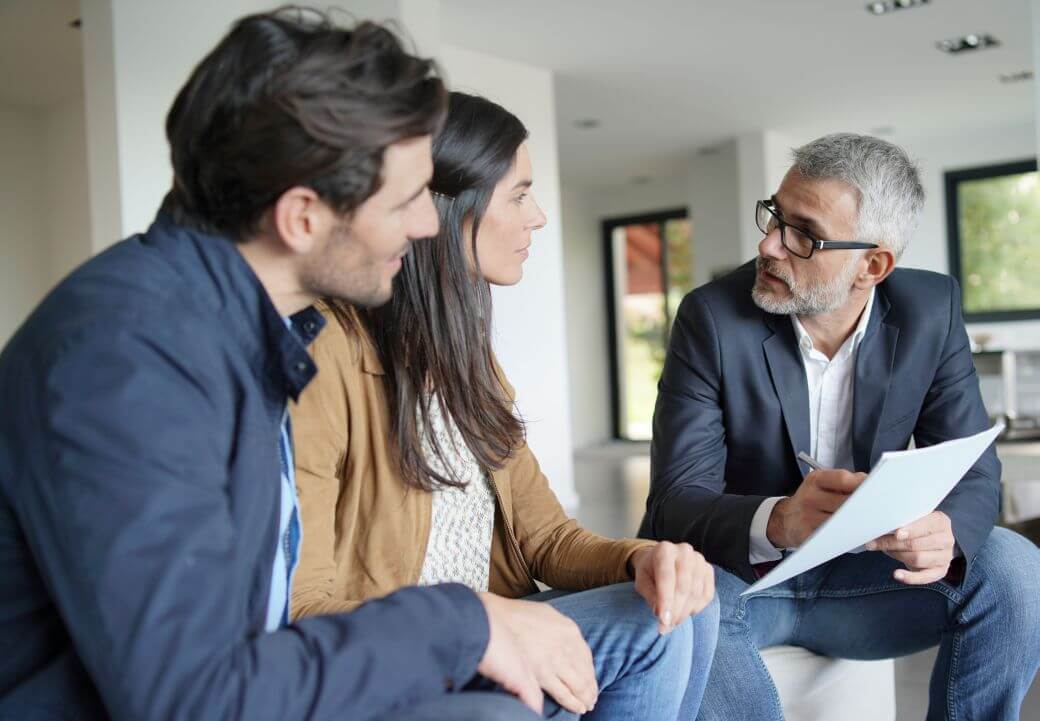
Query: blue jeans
x,y
641,674
987,629
466,706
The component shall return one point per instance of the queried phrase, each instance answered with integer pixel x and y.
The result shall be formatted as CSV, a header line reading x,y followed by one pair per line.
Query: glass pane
x,y
643,322
653,270
678,241
1000,242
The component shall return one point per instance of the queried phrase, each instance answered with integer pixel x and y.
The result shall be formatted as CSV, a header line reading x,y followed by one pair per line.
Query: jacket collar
x,y
221,282
348,318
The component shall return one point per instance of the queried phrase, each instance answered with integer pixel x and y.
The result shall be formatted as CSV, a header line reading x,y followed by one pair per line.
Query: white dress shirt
x,y
830,382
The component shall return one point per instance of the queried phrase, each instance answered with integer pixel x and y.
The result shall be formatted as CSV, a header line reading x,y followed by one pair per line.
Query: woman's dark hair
x,y
435,333
287,99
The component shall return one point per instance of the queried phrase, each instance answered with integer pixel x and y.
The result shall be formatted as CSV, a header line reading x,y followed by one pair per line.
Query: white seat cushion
x,y
817,688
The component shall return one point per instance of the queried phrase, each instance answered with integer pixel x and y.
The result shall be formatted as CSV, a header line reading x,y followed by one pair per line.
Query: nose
x,y
538,220
423,222
771,247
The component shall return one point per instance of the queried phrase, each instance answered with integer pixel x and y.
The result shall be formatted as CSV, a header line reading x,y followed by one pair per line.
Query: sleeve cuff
x,y
760,549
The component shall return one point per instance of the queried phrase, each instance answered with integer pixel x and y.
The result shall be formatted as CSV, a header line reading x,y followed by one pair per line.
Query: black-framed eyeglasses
x,y
799,241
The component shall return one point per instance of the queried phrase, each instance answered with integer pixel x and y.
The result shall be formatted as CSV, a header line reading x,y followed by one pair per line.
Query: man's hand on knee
x,y
925,546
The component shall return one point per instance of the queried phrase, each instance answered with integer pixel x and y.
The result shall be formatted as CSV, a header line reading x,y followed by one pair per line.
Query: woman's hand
x,y
675,580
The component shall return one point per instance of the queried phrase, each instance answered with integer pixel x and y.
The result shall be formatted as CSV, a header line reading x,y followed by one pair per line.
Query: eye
x,y
520,198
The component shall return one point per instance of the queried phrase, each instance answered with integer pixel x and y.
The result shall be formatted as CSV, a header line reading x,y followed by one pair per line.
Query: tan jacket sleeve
x,y
558,551
320,435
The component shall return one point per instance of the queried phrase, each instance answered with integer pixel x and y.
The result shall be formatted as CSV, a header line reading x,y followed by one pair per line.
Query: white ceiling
x,y
668,77
40,54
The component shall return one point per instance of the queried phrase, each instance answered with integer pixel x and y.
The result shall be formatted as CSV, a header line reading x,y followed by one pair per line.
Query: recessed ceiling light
x,y
882,8
586,124
973,41
1020,76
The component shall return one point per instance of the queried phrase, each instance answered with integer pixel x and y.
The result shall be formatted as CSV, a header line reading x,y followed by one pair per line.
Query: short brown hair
x,y
287,98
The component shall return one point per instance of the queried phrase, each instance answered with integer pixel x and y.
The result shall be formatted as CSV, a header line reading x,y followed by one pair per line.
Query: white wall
x,y
66,181
586,292
23,241
939,153
530,328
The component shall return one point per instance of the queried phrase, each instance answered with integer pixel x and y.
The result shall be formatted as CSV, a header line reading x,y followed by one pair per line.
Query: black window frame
x,y
608,225
952,179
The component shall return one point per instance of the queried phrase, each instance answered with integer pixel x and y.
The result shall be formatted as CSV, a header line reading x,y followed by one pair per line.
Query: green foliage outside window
x,y
1000,242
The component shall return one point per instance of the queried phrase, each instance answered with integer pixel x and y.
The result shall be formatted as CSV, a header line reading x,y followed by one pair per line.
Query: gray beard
x,y
804,299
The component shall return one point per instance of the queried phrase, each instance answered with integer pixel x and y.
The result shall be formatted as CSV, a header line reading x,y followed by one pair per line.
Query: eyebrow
x,y
413,196
522,184
802,221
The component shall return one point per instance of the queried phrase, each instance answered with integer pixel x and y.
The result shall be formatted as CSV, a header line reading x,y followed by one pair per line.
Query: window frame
x,y
608,226
952,179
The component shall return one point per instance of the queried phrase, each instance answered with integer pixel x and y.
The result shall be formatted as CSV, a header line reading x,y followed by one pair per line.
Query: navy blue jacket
x,y
733,409
139,481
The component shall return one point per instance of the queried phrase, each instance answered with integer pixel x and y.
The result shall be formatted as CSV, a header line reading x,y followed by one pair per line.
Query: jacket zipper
x,y
514,545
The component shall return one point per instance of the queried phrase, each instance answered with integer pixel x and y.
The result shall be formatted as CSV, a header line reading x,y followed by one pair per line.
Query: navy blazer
x,y
139,498
733,409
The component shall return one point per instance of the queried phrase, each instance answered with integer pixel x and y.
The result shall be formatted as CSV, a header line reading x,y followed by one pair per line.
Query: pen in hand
x,y
810,461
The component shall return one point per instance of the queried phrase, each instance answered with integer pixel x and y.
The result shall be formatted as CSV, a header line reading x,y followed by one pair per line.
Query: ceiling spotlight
x,y
1019,77
881,8
974,41
586,124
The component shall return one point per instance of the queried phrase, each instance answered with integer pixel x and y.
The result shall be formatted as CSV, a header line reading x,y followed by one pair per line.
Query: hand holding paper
x,y
926,546
903,487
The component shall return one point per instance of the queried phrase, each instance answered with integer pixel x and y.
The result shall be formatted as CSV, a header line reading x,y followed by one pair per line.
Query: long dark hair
x,y
288,98
434,336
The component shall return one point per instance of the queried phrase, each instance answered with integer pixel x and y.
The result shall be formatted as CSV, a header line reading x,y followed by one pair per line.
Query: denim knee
x,y
1006,574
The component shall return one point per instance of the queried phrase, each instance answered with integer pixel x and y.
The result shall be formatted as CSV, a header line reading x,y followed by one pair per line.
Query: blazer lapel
x,y
788,375
874,361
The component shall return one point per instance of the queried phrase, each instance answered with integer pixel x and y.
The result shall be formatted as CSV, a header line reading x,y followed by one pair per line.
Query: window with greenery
x,y
993,222
649,270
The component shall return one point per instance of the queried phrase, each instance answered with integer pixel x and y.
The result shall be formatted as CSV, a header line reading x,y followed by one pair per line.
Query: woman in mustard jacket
x,y
412,466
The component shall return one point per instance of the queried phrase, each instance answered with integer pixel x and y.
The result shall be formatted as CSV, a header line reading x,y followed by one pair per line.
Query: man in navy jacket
x,y
148,526
821,345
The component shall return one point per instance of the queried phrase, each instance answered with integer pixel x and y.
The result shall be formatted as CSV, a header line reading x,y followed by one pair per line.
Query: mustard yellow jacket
x,y
365,531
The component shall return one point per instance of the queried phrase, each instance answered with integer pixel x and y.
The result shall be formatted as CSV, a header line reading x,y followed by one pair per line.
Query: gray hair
x,y
887,180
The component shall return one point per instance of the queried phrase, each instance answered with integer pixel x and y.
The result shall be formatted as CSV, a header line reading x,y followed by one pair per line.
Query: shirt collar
x,y
805,342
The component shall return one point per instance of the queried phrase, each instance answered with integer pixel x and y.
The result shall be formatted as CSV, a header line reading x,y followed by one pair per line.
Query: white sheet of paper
x,y
902,487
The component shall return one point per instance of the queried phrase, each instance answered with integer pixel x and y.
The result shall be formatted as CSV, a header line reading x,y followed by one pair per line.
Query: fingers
x,y
561,692
824,501
573,682
921,578
524,685
891,543
836,480
705,587
923,560
664,584
934,522
686,578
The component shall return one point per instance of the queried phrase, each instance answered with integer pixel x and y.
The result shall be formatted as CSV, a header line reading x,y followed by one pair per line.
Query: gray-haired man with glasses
x,y
823,346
